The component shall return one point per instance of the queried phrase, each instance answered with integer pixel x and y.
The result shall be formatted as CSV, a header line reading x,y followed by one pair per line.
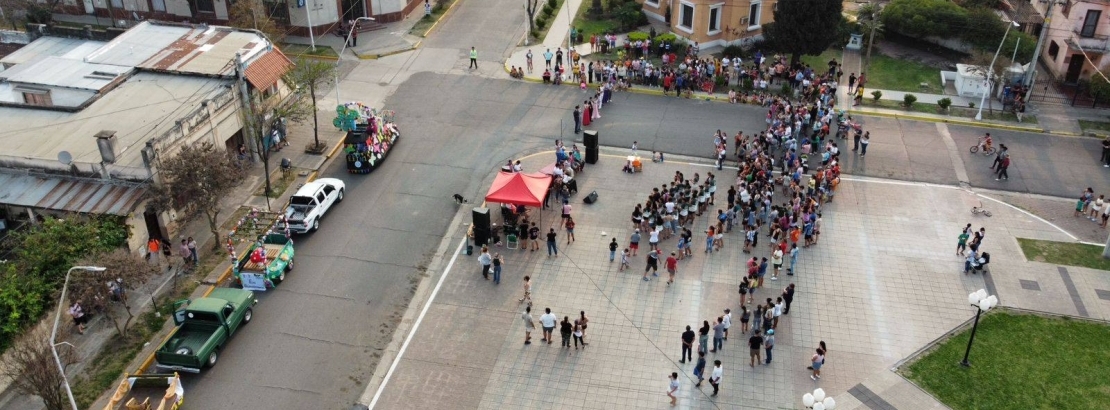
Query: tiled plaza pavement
x,y
882,283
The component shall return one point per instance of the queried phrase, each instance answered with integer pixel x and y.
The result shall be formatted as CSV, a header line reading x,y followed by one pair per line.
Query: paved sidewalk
x,y
882,283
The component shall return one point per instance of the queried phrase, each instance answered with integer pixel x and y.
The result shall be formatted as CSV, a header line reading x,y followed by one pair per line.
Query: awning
x,y
267,69
70,195
519,188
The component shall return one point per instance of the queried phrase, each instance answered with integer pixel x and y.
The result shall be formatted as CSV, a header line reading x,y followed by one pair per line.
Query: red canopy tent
x,y
519,188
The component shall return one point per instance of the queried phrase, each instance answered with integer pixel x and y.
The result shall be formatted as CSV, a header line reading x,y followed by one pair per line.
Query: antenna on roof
x,y
65,158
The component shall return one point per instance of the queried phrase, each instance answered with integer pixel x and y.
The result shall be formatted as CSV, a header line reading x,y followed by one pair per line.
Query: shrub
x,y
944,103
785,89
908,100
748,84
637,36
665,38
922,18
970,104
721,81
535,34
541,23
552,3
733,51
877,95
547,11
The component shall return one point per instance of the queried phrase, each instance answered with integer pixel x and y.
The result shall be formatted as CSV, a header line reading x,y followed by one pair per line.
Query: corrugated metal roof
x,y
72,195
268,69
69,48
180,48
62,72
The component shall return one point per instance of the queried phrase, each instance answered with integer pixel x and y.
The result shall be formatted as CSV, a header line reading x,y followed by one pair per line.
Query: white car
x,y
311,202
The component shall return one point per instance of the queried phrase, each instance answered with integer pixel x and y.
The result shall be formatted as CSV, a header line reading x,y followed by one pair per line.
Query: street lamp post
x,y
990,70
54,331
982,303
354,26
818,401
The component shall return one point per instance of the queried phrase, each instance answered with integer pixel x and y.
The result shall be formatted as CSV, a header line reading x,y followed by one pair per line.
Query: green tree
x,y
42,254
194,181
804,26
923,18
309,76
1100,87
629,14
253,14
868,17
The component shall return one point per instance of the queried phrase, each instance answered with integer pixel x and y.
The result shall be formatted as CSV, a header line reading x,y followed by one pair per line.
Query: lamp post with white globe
x,y
982,303
818,401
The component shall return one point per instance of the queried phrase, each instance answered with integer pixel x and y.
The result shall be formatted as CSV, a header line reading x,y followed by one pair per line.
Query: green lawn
x,y
299,50
1064,253
1020,362
587,25
887,73
953,111
1094,125
542,33
425,23
820,63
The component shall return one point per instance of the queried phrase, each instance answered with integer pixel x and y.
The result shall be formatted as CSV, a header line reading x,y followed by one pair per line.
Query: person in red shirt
x,y
672,267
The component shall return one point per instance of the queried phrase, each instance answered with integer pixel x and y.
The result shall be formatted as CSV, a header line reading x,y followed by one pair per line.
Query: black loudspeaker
x,y
481,225
591,154
591,198
590,138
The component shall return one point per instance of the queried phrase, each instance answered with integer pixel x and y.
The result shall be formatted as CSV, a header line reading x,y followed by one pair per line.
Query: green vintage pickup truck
x,y
203,326
268,268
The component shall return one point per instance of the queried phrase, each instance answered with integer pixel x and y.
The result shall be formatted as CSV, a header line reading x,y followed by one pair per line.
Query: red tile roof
x,y
268,69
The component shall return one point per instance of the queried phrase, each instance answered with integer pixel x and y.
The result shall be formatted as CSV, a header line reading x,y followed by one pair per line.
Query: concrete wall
x,y
323,13
1064,28
733,19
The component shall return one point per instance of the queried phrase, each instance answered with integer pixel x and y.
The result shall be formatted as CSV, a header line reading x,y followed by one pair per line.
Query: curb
x,y
227,272
948,121
441,17
388,53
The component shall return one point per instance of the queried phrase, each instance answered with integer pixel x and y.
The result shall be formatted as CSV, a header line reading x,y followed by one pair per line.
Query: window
x,y
715,19
1090,23
686,17
205,6
653,2
158,5
754,20
1053,49
36,97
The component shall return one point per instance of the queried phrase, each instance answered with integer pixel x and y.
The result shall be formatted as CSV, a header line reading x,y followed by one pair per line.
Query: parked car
x,y
265,264
203,327
311,202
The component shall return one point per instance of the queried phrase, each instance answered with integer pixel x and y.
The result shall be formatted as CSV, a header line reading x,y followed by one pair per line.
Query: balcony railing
x,y
1095,43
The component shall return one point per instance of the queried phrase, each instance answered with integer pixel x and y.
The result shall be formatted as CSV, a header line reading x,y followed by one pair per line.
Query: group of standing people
x,y
1095,209
568,329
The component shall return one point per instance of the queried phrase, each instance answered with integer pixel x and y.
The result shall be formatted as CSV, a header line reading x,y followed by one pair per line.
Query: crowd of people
x,y
1095,209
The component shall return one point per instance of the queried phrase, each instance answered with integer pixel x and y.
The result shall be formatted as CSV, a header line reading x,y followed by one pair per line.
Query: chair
x,y
511,242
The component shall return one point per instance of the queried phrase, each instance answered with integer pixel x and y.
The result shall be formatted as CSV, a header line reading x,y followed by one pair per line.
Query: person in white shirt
x,y
727,321
777,311
672,388
548,321
715,378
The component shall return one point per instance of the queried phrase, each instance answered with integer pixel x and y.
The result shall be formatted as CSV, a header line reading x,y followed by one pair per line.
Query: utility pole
x,y
1032,75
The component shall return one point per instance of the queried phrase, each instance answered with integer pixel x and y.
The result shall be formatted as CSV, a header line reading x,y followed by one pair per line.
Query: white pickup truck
x,y
311,202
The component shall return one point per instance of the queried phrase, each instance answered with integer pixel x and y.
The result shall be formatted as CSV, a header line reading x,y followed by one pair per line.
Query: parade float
x,y
371,135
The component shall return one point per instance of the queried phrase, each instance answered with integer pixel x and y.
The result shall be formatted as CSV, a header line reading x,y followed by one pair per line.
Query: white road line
x,y
415,326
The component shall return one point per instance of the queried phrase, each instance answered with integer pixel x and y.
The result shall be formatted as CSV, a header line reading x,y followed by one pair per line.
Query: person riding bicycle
x,y
985,142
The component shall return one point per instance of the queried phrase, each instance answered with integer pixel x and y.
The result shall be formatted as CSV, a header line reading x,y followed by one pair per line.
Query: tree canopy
x,y
804,26
194,181
923,18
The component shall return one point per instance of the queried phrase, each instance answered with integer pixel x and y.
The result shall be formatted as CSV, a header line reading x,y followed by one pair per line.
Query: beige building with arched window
x,y
714,22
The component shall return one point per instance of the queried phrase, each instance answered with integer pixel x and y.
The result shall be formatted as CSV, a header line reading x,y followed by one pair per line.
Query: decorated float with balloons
x,y
371,134
269,255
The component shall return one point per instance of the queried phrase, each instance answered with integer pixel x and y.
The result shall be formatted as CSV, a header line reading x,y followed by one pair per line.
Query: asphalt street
x,y
315,340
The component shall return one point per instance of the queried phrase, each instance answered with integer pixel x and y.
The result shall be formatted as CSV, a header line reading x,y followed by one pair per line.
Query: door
x,y
153,225
1075,67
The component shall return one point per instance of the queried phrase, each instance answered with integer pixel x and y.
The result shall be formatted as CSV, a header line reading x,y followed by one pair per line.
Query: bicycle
x,y
975,210
988,149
